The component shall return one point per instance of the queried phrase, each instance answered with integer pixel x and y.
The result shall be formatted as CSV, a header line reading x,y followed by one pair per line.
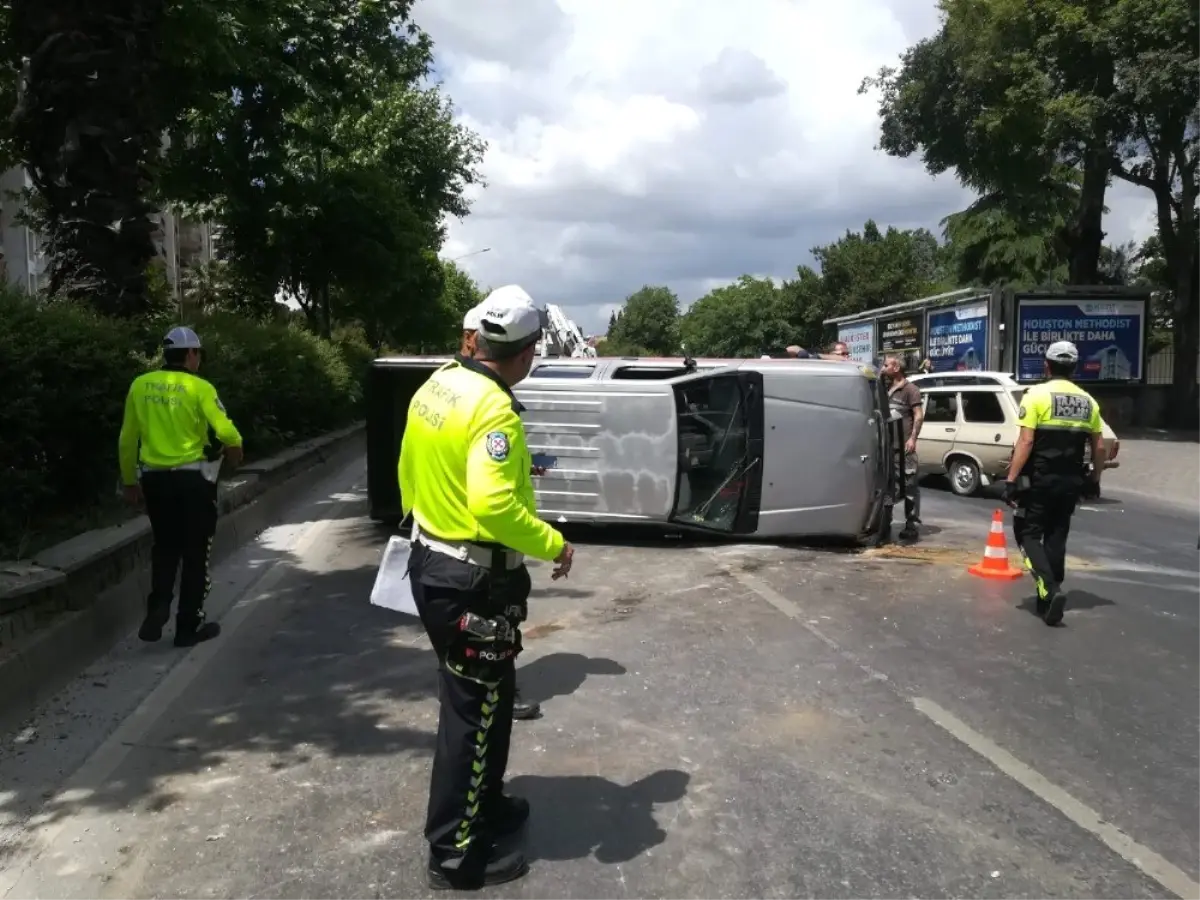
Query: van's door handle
x,y
952,430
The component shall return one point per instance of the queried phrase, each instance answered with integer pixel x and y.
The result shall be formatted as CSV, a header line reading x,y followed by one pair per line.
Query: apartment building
x,y
181,243
21,256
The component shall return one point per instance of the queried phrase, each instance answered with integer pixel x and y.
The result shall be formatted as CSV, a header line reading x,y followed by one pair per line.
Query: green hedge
x,y
66,372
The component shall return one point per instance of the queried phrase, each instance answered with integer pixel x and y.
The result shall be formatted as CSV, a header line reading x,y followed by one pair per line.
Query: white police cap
x,y
181,338
1062,352
508,316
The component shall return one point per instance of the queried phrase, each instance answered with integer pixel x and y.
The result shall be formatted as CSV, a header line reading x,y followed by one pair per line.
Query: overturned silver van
x,y
736,447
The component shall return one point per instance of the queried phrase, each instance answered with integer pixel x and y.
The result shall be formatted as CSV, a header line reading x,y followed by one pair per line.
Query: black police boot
x,y
505,814
1043,606
191,637
152,628
909,533
523,710
157,616
1055,609
457,873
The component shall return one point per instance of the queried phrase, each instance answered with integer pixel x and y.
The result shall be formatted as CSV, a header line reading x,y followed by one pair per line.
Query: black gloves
x,y
1010,493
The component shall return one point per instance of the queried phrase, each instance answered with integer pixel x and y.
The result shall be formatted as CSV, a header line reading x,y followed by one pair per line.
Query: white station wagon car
x,y
971,427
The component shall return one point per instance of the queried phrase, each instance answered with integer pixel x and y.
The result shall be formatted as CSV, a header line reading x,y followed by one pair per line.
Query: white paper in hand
x,y
392,588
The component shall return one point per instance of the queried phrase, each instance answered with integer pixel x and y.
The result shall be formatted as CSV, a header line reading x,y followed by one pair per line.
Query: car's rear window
x,y
1017,395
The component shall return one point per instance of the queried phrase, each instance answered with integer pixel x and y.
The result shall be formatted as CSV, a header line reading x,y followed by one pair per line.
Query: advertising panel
x,y
1110,335
901,334
958,338
860,339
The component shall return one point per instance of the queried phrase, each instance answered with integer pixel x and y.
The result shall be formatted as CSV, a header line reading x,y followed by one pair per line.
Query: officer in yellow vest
x,y
1046,477
522,709
165,440
465,480
470,332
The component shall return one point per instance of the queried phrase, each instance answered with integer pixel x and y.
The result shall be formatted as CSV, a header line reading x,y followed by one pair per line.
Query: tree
x,y
437,327
306,133
9,76
1007,94
1012,240
861,272
1148,268
1157,45
1011,91
806,305
87,127
649,323
743,319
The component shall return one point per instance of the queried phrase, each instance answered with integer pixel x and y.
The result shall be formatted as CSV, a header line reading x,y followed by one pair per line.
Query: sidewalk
x,y
1164,469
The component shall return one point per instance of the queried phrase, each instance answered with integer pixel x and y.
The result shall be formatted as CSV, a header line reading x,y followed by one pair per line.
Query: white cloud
x,y
664,141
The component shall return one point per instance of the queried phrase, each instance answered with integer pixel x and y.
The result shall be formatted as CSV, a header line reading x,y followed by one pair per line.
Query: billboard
x,y
860,339
901,334
1110,335
958,338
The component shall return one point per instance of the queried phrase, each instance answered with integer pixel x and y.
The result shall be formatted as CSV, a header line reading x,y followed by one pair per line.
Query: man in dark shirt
x,y
905,399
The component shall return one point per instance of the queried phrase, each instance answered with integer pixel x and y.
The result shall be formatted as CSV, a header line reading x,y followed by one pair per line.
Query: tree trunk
x,y
88,131
326,313
1087,231
1181,250
1185,396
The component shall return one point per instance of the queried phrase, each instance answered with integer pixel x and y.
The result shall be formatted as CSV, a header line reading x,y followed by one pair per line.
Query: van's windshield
x,y
714,456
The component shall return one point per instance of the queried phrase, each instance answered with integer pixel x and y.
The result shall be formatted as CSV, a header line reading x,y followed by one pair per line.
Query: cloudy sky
x,y
637,142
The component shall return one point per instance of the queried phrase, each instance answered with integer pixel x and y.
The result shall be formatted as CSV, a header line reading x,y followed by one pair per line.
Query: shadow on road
x,y
315,670
1087,600
561,674
578,816
1075,600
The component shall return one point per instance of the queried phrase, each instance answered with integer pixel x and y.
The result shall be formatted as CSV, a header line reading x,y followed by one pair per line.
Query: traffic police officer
x,y
522,709
168,416
1058,421
470,332
465,480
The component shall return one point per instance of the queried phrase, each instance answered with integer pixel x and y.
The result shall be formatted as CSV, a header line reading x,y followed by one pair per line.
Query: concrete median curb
x,y
67,606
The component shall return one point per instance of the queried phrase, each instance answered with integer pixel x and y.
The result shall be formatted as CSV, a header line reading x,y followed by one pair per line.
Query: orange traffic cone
x,y
995,555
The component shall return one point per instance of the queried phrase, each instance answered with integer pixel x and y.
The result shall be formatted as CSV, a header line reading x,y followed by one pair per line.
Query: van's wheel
x,y
964,476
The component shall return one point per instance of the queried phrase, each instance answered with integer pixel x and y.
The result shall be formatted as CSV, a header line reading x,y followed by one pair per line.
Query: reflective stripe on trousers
x,y
463,836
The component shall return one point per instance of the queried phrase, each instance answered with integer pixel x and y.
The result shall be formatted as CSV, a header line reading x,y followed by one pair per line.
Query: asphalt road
x,y
720,721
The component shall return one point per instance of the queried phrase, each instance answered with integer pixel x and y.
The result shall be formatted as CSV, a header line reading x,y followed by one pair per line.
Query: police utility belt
x,y
210,470
468,552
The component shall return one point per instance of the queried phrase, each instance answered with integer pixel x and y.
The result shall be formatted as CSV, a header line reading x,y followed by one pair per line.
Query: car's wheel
x,y
964,476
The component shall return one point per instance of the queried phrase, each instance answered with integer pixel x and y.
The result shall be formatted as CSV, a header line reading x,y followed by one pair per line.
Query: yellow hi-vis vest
x,y
1063,417
465,469
167,416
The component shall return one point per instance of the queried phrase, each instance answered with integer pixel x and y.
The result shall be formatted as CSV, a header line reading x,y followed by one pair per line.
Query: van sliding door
x,y
720,424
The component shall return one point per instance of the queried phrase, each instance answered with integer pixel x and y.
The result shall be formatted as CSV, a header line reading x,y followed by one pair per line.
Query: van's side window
x,y
982,407
941,407
562,372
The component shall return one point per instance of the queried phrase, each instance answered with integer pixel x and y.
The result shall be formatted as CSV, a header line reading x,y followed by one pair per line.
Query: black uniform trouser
x,y
476,686
182,506
1041,525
